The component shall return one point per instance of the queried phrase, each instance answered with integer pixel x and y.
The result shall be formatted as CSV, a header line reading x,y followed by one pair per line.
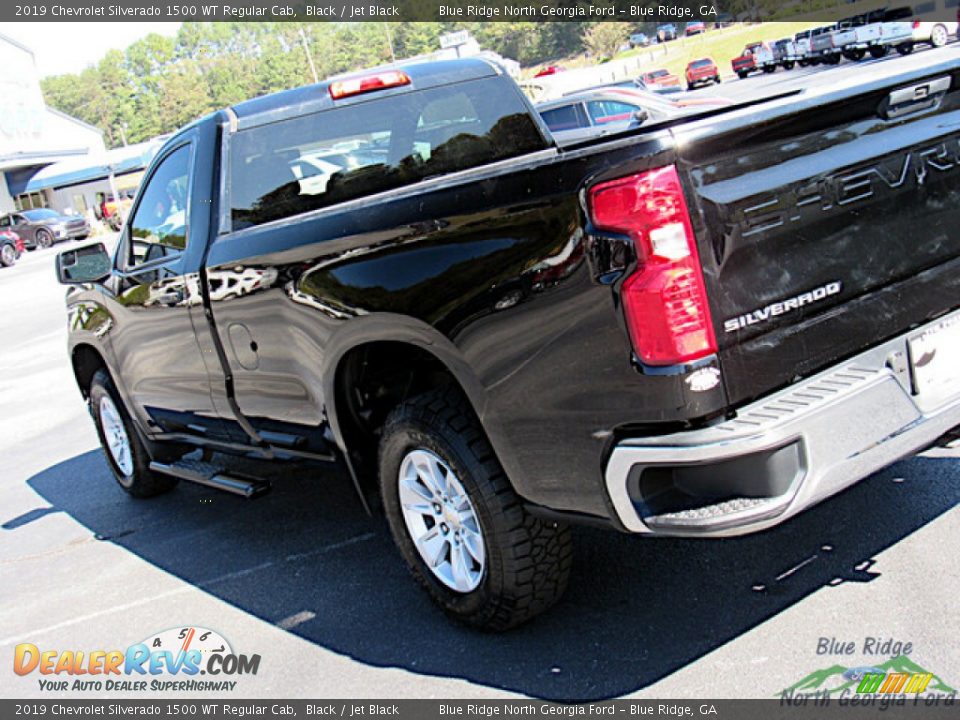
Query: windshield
x,y
40,214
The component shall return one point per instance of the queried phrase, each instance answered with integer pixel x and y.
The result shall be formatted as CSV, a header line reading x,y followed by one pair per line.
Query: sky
x,y
70,47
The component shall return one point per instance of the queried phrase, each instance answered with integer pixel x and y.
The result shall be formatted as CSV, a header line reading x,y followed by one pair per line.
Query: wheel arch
x,y
392,350
86,360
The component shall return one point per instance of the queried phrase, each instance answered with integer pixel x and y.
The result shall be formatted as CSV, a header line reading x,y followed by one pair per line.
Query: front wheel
x,y
44,239
788,65
462,531
126,454
8,255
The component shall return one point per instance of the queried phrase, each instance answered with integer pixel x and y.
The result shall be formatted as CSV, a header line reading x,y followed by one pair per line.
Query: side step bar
x,y
203,473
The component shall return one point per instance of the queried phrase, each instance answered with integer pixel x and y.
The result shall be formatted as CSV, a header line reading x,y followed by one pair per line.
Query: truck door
x,y
155,289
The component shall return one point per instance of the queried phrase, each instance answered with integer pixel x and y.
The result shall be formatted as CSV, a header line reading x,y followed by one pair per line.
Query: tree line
x,y
160,83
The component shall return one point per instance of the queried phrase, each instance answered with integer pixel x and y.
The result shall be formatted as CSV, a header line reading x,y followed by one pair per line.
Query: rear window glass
x,y
305,163
701,63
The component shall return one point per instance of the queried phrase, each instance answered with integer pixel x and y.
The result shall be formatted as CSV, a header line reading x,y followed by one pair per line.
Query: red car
x,y
660,81
702,72
11,247
550,70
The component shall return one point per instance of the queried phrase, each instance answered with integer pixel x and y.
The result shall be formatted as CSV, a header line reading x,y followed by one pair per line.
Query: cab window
x,y
159,226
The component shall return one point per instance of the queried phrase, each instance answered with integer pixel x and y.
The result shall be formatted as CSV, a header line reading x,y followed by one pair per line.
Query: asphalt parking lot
x,y
305,579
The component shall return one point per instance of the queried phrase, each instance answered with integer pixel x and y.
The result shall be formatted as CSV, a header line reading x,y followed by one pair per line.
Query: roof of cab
x,y
310,98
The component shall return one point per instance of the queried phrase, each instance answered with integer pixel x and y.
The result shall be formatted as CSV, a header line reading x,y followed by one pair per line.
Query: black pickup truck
x,y
698,327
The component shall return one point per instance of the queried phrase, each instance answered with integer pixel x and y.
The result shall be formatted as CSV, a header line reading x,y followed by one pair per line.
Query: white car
x,y
936,33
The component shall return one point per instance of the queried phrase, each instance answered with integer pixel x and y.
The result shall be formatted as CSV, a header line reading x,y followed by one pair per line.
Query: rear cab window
x,y
289,167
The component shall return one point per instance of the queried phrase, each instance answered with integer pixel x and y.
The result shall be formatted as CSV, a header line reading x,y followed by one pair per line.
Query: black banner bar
x,y
454,11
805,707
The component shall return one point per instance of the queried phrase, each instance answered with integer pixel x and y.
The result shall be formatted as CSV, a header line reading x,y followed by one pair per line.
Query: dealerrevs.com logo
x,y
172,660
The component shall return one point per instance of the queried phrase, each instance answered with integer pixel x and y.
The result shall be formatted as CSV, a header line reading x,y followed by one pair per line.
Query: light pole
x,y
386,27
306,49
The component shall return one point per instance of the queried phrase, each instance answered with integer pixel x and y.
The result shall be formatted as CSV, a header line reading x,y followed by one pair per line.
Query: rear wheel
x,y
788,65
742,74
938,36
879,51
126,454
44,239
8,256
690,86
716,79
459,526
905,48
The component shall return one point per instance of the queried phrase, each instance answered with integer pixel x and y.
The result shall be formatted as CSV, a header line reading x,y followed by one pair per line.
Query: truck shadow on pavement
x,y
307,558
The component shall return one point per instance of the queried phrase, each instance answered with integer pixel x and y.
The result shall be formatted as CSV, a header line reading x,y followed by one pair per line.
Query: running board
x,y
203,473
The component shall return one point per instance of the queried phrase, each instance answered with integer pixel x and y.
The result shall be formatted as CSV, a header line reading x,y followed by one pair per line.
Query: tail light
x,y
916,24
368,83
664,300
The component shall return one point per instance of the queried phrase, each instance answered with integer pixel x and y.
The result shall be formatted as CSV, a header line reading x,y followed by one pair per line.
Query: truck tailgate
x,y
826,223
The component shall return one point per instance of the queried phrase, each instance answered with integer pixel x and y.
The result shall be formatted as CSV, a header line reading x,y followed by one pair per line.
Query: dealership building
x,y
49,159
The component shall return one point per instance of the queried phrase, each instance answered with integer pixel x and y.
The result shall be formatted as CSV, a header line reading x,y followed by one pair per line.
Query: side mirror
x,y
640,117
88,264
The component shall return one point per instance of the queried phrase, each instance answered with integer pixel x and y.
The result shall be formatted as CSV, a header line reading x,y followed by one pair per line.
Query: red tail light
x,y
368,83
916,24
664,300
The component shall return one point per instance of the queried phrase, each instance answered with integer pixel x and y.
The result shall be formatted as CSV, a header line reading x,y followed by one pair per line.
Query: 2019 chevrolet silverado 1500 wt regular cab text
x,y
697,327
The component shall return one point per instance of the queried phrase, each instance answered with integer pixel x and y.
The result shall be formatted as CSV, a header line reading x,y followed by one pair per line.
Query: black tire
x,y
44,239
742,74
879,51
527,560
788,65
905,48
690,86
717,80
141,482
8,255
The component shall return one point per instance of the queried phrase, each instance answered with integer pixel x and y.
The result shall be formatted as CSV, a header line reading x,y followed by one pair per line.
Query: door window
x,y
607,111
159,226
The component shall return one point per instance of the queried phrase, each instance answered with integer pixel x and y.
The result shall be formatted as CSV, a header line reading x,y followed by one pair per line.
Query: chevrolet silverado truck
x,y
697,327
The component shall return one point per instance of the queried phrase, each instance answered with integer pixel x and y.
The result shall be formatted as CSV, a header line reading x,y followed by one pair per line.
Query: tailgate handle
x,y
915,98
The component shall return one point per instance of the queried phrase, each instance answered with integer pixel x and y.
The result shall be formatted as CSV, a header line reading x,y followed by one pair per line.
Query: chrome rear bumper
x,y
804,444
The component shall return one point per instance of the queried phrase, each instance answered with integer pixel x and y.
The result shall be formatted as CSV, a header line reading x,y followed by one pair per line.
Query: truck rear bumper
x,y
784,453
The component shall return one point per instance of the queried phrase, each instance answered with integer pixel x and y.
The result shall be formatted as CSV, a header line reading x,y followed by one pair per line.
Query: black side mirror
x,y
640,117
88,264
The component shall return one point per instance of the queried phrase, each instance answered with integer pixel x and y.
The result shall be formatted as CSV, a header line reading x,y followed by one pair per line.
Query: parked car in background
x,y
607,109
755,56
786,53
11,247
802,42
724,19
550,70
695,28
41,228
639,40
666,33
936,33
590,113
661,81
702,72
